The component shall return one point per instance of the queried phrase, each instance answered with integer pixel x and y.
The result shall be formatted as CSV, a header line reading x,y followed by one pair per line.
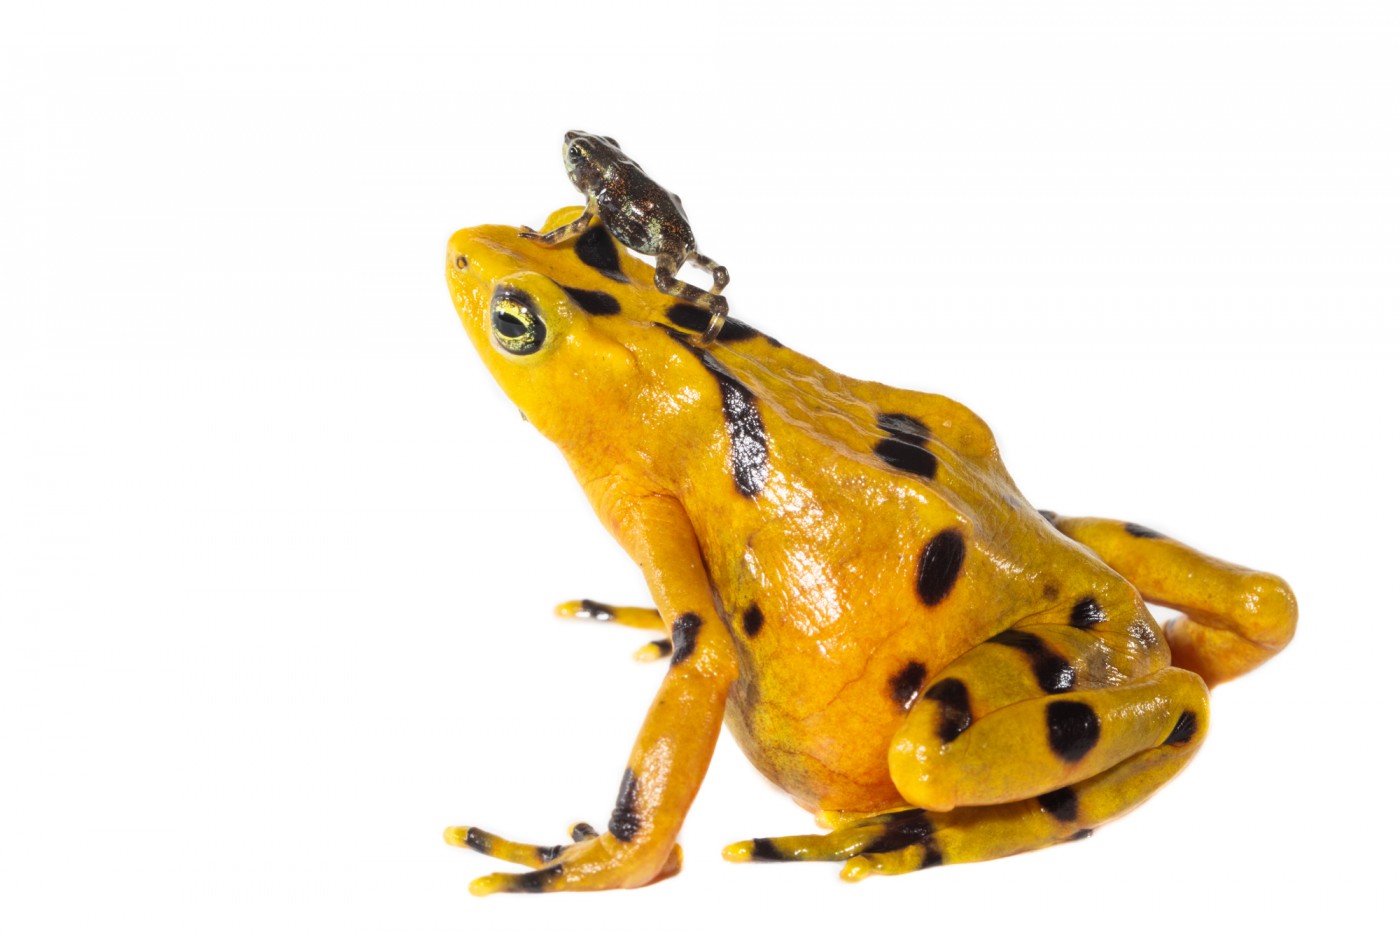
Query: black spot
x,y
901,455
1049,516
1050,592
905,828
694,318
1073,729
748,442
663,647
904,687
753,620
1078,835
1141,531
593,302
1184,731
549,854
939,565
765,852
933,856
956,717
683,633
1053,673
478,841
596,249
1086,614
583,831
462,262
1063,805
905,427
599,611
537,880
625,820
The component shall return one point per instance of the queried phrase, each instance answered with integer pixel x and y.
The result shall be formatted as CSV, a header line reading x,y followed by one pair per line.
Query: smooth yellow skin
x,y
854,584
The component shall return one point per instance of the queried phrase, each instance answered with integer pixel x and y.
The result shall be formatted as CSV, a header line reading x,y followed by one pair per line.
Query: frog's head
x,y
588,157
551,328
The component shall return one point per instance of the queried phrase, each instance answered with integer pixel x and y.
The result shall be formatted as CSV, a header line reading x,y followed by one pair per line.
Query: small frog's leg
x,y
570,230
678,737
904,841
1235,618
635,617
716,304
718,273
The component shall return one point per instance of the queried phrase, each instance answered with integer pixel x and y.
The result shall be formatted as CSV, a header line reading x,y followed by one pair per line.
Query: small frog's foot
x,y
592,862
718,274
634,617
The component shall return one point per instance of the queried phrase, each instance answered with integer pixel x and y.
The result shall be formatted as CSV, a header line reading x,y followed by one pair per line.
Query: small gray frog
x,y
642,216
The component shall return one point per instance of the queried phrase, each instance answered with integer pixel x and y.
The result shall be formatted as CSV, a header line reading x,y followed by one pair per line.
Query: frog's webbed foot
x,y
559,234
634,617
584,864
716,304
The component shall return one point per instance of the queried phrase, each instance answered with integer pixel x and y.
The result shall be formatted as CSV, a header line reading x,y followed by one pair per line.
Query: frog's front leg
x,y
673,750
1235,618
570,230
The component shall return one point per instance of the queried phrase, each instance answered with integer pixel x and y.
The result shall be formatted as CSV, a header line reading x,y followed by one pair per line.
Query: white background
x,y
277,557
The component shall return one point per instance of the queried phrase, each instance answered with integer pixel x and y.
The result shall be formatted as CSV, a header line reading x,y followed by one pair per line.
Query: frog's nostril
x,y
462,262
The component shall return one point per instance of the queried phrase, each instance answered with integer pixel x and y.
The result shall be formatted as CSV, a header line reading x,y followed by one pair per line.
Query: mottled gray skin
x,y
642,216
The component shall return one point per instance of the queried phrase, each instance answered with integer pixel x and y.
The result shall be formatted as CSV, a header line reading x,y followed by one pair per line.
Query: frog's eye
x,y
515,323
577,153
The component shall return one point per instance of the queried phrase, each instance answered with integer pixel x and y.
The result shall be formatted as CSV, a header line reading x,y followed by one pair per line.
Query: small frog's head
x,y
550,328
588,158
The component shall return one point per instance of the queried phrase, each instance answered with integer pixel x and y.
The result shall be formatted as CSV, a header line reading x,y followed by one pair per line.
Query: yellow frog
x,y
851,580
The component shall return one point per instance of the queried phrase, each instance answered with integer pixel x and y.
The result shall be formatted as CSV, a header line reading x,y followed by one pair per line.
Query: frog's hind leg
x,y
634,617
570,230
718,273
905,841
717,305
1235,618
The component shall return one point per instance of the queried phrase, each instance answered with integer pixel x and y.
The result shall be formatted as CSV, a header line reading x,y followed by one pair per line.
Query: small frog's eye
x,y
576,153
515,323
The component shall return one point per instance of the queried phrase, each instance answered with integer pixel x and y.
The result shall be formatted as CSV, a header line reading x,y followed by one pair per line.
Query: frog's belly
x,y
829,752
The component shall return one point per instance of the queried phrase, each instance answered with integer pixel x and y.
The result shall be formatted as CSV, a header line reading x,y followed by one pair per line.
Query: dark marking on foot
x,y
939,565
683,633
1078,835
904,829
748,442
905,427
625,820
1184,731
599,611
1087,614
1073,729
477,840
549,854
956,717
753,620
901,455
765,852
933,856
1063,805
904,687
583,831
1053,673
663,647
536,880
1141,531
592,301
596,248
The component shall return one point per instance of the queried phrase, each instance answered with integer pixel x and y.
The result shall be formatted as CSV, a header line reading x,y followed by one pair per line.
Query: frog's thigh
x,y
948,753
1235,618
903,841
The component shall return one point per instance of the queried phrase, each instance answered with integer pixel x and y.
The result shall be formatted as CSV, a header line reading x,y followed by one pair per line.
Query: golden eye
x,y
515,323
